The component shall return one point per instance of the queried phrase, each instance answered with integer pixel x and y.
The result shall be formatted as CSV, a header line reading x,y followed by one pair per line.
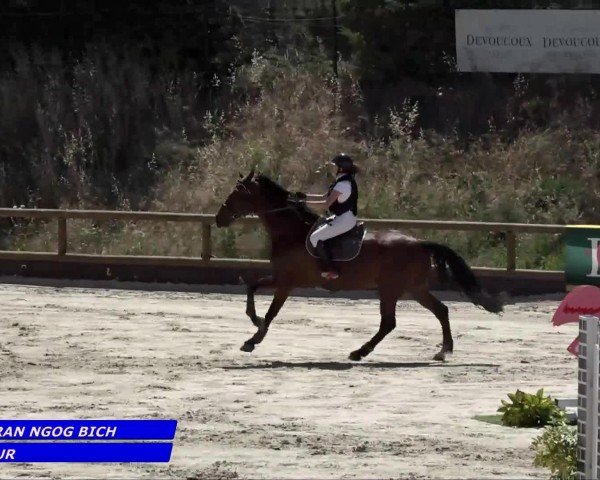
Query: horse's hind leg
x,y
387,308
440,310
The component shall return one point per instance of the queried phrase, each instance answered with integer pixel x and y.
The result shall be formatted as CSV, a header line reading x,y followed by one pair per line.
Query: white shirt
x,y
345,189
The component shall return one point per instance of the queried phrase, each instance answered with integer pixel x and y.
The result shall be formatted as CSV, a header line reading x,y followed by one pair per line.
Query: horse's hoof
x,y
247,347
355,356
440,356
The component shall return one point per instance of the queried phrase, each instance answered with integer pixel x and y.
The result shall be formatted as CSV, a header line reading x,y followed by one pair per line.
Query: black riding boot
x,y
326,264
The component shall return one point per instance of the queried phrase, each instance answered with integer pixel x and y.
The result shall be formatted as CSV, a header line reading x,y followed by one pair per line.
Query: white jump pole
x,y
592,371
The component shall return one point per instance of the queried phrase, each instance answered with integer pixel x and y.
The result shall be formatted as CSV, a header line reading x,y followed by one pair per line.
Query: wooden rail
x,y
510,230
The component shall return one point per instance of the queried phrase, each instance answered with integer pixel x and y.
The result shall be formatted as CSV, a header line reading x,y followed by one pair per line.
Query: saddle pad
x,y
344,247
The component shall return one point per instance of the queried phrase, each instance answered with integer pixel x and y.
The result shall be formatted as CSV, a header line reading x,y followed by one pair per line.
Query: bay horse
x,y
396,265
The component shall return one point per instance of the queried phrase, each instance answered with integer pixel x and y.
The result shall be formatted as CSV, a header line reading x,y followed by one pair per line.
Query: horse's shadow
x,y
350,365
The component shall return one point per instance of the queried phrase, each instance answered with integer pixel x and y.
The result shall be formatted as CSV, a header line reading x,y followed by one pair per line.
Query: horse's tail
x,y
444,257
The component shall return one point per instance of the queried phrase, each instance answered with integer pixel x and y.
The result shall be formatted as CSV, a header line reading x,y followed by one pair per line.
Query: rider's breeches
x,y
336,225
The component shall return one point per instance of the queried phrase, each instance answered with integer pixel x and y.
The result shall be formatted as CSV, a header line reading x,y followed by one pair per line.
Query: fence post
x,y
511,251
206,241
62,236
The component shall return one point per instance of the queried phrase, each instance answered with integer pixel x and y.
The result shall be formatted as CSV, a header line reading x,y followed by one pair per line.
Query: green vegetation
x,y
128,124
527,410
492,419
556,449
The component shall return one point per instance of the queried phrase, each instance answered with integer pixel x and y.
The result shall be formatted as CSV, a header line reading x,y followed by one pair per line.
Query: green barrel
x,y
583,252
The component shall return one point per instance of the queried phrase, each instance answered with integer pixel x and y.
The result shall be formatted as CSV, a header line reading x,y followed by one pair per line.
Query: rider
x,y
341,200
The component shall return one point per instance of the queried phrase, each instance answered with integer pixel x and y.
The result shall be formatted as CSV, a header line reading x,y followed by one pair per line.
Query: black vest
x,y
351,204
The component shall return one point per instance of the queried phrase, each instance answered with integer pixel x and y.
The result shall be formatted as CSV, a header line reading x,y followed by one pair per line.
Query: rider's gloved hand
x,y
300,195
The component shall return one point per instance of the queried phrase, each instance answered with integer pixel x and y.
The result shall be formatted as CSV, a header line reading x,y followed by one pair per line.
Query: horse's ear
x,y
250,175
241,176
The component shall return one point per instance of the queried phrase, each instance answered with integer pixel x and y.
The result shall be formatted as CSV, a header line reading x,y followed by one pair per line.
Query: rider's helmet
x,y
344,163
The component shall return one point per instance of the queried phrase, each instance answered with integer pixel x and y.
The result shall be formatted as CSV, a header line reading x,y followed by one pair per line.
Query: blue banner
x,y
87,429
85,452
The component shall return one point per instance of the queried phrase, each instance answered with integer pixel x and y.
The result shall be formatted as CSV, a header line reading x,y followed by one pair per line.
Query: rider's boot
x,y
328,271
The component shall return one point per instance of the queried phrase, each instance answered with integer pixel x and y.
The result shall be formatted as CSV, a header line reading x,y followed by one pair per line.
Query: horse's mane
x,y
274,192
271,188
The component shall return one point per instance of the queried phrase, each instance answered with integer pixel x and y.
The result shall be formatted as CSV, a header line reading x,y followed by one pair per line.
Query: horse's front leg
x,y
281,295
250,291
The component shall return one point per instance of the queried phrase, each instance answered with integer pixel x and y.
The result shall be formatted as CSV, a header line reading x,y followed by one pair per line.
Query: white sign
x,y
529,41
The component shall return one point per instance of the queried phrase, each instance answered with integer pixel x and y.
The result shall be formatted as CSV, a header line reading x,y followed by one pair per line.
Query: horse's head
x,y
259,195
241,202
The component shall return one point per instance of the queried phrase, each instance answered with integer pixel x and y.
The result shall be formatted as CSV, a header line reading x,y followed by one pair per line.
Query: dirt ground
x,y
295,407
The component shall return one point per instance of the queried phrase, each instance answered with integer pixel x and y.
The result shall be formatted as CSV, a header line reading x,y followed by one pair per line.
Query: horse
x,y
395,265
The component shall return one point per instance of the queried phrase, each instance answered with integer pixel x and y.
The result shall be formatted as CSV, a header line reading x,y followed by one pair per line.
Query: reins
x,y
292,207
289,207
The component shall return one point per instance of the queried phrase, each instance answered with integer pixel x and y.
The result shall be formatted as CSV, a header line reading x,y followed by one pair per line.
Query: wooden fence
x,y
510,230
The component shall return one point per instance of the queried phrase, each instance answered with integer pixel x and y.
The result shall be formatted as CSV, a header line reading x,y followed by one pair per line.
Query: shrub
x,y
529,410
556,449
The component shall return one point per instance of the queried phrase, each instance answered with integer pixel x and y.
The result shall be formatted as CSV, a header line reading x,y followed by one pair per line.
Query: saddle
x,y
344,247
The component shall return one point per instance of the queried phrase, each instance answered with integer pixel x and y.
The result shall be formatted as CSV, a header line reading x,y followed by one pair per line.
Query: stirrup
x,y
330,275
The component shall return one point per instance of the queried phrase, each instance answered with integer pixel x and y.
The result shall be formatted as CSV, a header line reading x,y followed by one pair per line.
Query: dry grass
x,y
84,132
287,129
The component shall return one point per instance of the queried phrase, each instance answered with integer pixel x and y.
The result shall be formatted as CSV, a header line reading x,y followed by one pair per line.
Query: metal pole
x,y
335,39
272,35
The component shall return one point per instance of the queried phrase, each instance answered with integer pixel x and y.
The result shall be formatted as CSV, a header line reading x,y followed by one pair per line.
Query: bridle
x,y
292,207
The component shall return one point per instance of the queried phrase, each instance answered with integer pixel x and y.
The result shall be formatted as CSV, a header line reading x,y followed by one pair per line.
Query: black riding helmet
x,y
343,162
